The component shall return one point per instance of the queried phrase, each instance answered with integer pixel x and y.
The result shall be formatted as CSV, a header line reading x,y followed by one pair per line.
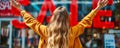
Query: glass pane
x,y
4,34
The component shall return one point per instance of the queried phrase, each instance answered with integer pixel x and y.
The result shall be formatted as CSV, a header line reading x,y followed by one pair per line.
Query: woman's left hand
x,y
101,4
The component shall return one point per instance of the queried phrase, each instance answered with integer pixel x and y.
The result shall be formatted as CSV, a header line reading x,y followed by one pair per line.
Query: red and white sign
x,y
5,8
48,5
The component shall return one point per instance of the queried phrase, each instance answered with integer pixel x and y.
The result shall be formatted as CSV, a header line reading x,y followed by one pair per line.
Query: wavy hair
x,y
58,29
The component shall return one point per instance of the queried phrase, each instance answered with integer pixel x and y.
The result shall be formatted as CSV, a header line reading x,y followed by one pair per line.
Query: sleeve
x,y
34,24
86,21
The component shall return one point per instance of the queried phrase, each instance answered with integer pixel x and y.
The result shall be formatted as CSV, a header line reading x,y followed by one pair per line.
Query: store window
x,y
5,30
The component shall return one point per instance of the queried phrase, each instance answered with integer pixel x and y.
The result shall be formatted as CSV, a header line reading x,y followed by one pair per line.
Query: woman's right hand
x,y
16,4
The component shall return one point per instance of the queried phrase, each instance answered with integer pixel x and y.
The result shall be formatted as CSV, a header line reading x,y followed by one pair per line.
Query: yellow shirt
x,y
75,31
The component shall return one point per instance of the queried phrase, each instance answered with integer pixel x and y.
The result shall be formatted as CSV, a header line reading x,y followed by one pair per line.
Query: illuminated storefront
x,y
107,20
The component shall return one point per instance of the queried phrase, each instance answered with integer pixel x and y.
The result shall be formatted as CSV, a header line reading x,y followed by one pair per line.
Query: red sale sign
x,y
97,23
47,5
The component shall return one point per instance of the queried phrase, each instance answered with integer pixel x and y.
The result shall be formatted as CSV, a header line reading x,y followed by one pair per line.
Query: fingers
x,y
106,1
103,2
11,2
14,3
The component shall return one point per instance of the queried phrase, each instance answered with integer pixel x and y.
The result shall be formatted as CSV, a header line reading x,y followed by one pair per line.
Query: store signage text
x,y
48,5
5,5
5,8
97,23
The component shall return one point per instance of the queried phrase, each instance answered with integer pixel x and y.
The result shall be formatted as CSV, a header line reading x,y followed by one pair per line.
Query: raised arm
x,y
30,21
87,20
34,24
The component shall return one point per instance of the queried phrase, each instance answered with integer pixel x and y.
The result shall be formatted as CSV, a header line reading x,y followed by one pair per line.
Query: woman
x,y
59,34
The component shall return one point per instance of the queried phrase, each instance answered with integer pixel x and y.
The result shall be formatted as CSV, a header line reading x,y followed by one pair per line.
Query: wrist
x,y
20,8
97,8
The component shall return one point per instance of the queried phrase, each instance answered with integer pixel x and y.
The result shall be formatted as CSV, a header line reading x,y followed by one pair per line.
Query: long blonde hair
x,y
58,29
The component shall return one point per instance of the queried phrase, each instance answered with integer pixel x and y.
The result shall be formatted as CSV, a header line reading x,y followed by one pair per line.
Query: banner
x,y
48,5
5,8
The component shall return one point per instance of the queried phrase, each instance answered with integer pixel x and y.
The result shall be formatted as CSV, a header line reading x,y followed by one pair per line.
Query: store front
x,y
6,31
18,37
11,37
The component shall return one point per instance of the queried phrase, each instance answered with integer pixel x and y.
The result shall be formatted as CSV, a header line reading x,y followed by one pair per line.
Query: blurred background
x,y
104,33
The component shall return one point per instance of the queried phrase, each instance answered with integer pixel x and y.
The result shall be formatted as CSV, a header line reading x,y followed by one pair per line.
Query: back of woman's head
x,y
58,29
